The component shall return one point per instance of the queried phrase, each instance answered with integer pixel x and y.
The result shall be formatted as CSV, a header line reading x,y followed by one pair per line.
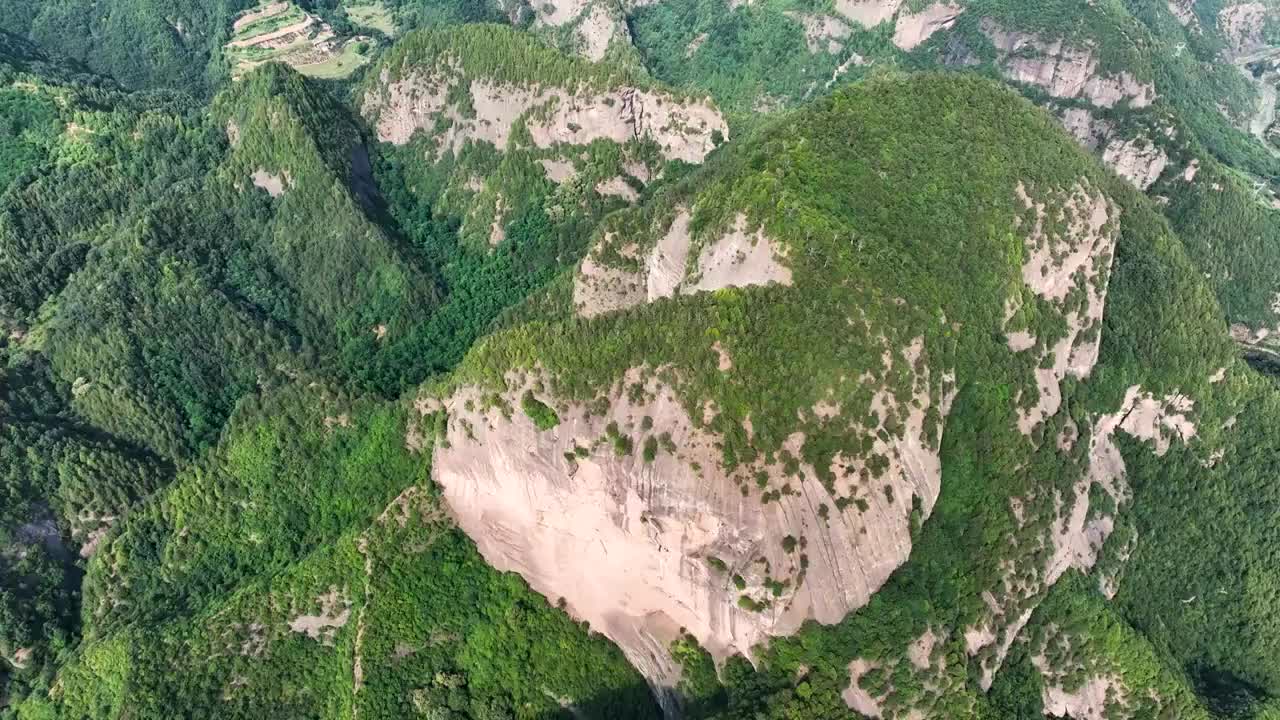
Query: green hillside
x,y
793,359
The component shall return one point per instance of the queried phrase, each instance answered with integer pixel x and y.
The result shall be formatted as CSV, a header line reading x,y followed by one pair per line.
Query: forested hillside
x,y
683,358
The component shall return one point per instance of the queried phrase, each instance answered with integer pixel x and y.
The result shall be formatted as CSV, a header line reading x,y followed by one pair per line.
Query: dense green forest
x,y
229,317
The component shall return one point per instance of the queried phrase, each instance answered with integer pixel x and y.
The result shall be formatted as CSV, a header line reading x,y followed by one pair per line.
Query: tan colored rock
x,y
617,187
273,184
1062,70
558,171
822,33
1088,702
335,611
1085,128
739,259
1075,539
1241,25
626,542
913,29
21,658
598,31
1183,10
1053,265
735,258
1137,160
695,45
684,130
921,649
868,13
859,700
1189,173
558,12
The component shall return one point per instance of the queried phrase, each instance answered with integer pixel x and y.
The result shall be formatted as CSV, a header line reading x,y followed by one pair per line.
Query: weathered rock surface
x,y
1241,26
822,33
1137,160
1056,265
913,29
1078,535
868,13
1183,10
1062,70
736,258
641,549
400,107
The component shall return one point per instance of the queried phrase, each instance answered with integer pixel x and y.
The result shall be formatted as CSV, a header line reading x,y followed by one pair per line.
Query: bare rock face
x,y
1089,131
1184,11
683,129
599,28
913,29
1062,70
583,27
822,33
1078,535
1241,26
641,546
1137,160
735,258
868,13
1058,264
1071,536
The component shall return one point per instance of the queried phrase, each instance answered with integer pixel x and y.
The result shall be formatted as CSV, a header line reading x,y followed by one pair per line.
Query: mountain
x,y
792,392
686,358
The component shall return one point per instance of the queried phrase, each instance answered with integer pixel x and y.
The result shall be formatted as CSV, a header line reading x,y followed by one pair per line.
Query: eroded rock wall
x,y
1063,70
423,99
642,546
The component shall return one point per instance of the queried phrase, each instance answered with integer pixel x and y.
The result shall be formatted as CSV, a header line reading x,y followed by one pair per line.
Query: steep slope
x,y
357,286
493,110
752,436
1174,97
499,157
900,405
140,43
302,569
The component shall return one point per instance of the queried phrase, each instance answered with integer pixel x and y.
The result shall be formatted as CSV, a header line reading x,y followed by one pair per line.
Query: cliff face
x,y
552,116
666,493
1062,69
490,133
641,547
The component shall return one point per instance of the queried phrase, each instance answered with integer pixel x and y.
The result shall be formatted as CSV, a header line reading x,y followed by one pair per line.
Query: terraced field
x,y
284,32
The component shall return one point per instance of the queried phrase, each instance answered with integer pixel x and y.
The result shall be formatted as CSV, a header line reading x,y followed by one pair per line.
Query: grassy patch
x,y
375,16
338,66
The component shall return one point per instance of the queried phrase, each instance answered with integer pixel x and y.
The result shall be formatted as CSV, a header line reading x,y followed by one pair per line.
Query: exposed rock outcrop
x,y
1241,26
1062,70
1137,160
868,13
736,258
913,29
274,184
1077,533
641,547
1057,264
1183,10
400,107
822,33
